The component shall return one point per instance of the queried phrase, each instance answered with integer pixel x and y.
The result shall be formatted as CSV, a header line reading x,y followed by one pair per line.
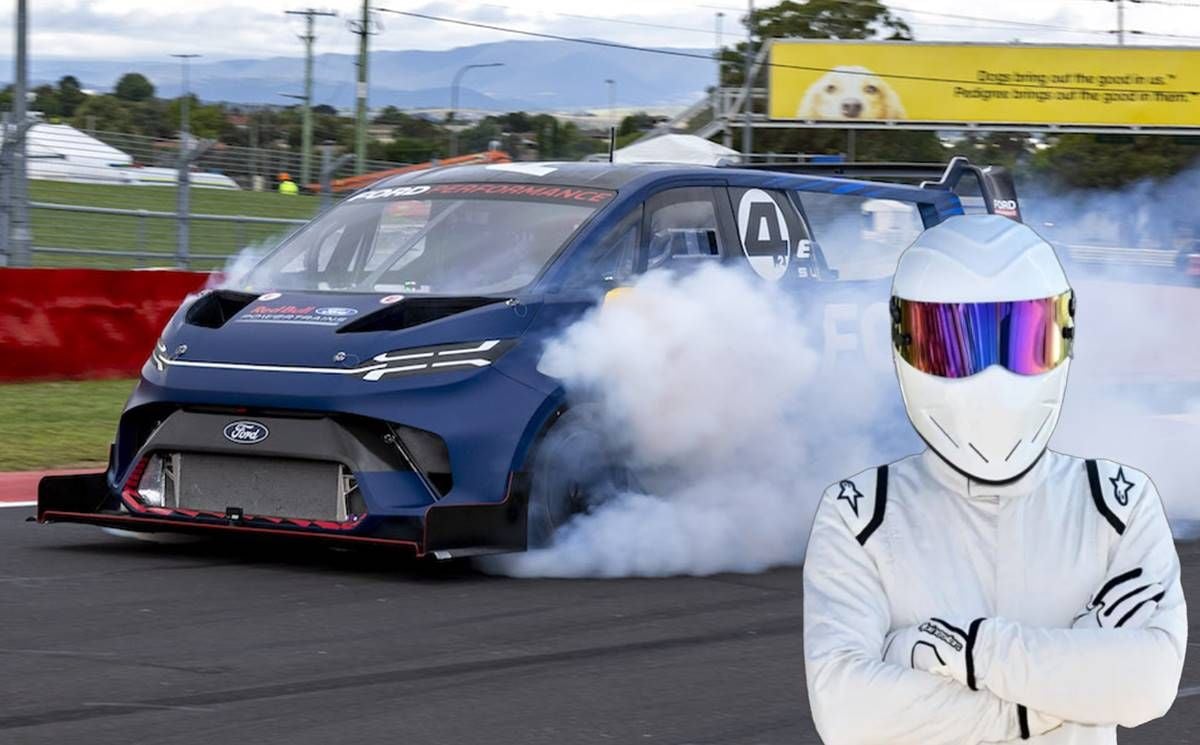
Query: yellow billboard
x,y
819,81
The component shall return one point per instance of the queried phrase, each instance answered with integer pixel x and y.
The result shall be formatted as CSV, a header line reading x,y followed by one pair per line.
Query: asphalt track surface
x,y
104,640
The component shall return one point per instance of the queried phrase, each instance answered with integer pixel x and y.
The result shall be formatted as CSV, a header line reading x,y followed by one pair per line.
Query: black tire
x,y
575,469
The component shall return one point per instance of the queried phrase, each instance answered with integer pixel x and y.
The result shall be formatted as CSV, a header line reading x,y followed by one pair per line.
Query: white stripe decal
x,y
272,368
375,375
389,357
485,346
369,372
18,504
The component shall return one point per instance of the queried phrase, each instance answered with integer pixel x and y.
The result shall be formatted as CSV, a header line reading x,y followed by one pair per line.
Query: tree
x,y
70,95
45,100
829,19
636,124
106,113
814,19
1009,149
150,118
204,120
1108,161
134,86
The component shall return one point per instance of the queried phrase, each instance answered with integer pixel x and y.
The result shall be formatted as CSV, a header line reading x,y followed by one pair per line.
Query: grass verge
x,y
59,229
61,424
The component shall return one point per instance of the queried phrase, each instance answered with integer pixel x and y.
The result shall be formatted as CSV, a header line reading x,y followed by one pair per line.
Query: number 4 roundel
x,y
764,234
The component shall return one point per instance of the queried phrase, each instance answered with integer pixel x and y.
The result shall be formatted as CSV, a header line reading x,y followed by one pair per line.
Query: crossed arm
x,y
1102,676
1124,676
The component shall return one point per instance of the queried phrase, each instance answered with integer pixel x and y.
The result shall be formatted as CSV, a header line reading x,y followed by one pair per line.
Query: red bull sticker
x,y
299,314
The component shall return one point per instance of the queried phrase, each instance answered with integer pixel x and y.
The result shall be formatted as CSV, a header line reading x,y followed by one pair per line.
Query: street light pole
x,y
182,207
454,85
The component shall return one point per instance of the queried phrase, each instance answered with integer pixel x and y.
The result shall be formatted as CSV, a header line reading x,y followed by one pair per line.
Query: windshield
x,y
448,239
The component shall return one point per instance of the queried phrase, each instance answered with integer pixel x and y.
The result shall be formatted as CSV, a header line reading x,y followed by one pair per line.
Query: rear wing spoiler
x,y
996,186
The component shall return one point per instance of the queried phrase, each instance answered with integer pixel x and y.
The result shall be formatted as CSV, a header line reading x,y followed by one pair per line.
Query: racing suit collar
x,y
960,483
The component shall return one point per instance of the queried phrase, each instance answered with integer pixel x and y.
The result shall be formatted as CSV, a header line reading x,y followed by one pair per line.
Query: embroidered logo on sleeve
x,y
1121,487
851,494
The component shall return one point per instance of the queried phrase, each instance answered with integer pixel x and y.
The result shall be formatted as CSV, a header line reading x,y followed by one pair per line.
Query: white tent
x,y
60,152
672,148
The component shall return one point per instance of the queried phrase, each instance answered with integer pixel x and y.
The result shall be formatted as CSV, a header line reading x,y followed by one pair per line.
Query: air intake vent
x,y
217,307
415,311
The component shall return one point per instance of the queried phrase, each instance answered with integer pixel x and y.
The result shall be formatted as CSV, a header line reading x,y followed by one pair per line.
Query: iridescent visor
x,y
956,340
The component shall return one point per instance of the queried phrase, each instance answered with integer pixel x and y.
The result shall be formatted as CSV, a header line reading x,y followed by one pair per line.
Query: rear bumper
x,y
444,529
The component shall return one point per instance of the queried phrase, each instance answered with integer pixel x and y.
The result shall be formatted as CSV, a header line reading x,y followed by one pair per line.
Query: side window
x,y
681,225
613,260
861,238
774,239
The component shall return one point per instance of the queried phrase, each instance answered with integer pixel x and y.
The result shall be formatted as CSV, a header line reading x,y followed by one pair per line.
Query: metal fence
x,y
108,199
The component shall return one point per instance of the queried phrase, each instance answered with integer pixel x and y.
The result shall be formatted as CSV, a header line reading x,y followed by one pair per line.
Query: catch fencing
x,y
112,200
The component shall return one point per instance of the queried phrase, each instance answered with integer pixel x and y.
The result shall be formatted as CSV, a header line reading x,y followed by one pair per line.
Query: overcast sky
x,y
150,29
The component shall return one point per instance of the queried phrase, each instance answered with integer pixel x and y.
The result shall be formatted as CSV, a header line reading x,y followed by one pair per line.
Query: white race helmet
x,y
982,332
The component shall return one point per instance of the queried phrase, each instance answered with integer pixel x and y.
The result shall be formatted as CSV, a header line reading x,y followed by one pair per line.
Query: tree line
x,y
1074,160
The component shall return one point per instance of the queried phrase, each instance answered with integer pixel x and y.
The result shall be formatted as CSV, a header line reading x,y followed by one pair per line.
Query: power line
x,y
1005,23
643,24
708,59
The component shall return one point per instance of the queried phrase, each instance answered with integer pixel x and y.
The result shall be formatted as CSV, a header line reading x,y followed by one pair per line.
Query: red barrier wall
x,y
84,323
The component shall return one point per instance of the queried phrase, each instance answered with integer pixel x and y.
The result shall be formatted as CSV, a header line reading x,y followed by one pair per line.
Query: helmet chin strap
x,y
973,477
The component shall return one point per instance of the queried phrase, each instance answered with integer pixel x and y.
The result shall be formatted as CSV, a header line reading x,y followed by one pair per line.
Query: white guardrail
x,y
1145,257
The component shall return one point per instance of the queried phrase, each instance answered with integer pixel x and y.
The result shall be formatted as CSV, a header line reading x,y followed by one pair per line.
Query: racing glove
x,y
935,646
942,648
1125,601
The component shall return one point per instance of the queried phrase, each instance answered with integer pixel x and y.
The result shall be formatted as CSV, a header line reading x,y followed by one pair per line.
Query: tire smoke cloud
x,y
716,387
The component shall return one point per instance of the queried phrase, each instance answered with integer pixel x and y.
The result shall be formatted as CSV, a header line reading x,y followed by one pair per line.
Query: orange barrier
x,y
85,323
353,183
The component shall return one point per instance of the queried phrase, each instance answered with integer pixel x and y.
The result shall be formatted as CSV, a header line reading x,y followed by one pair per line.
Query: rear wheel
x,y
575,469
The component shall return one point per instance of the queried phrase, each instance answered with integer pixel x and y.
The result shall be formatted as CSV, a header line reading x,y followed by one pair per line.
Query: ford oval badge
x,y
336,312
245,432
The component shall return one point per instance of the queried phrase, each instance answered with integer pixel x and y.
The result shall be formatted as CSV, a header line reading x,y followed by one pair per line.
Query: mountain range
x,y
536,76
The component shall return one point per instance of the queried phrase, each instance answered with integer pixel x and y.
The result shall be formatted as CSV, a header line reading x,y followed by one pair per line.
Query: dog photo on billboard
x,y
850,92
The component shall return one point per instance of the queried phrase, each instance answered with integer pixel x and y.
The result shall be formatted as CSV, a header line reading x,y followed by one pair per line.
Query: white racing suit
x,y
894,546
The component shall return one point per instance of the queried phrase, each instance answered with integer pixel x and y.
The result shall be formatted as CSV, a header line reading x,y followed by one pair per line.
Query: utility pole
x,y
363,28
19,221
182,207
747,102
308,38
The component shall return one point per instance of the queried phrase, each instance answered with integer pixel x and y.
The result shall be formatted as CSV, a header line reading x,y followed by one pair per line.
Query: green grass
x,y
46,425
55,228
